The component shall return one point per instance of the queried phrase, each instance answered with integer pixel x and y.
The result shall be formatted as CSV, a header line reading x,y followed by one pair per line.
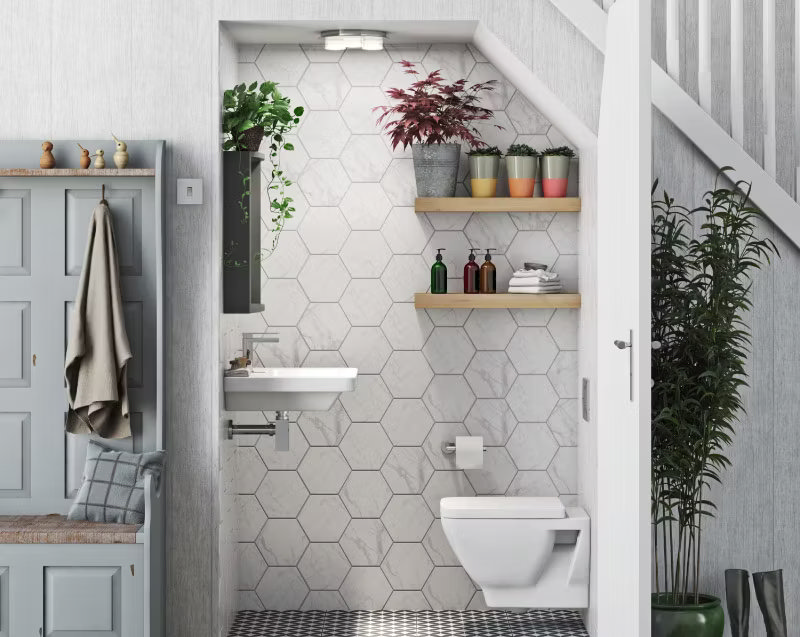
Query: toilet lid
x,y
502,508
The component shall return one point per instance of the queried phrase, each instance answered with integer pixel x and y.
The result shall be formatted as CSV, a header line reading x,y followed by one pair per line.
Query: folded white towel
x,y
533,290
533,283
536,274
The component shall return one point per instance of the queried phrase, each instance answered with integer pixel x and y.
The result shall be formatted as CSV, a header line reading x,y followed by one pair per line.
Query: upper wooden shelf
x,y
498,204
78,172
511,301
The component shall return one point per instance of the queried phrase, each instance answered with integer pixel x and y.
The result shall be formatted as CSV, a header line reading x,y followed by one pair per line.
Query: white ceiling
x,y
307,32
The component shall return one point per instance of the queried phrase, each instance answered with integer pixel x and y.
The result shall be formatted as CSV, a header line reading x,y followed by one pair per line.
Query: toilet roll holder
x,y
449,448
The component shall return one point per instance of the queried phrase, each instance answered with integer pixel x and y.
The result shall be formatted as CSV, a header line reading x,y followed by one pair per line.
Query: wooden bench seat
x,y
57,529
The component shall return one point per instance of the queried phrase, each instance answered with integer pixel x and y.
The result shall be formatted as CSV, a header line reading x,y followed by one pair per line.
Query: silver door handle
x,y
623,344
629,346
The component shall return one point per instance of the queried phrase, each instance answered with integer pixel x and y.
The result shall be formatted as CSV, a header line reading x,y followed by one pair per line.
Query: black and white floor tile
x,y
493,623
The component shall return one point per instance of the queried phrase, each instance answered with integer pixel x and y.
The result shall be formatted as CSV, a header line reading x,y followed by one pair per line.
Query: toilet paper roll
x,y
469,452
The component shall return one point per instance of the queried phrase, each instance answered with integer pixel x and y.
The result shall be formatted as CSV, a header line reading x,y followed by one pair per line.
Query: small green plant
x,y
561,151
487,151
521,150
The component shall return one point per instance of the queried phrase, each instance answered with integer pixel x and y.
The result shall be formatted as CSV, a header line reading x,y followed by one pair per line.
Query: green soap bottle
x,y
439,274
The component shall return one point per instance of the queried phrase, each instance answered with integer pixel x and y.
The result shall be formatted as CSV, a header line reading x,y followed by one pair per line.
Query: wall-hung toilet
x,y
522,552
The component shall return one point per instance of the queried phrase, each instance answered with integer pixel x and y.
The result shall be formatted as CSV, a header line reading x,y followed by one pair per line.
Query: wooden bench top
x,y
57,529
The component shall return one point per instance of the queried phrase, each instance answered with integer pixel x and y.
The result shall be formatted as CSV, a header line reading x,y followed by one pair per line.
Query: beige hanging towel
x,y
98,351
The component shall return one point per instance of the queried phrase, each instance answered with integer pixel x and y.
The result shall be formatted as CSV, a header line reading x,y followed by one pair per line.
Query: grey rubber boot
x,y
737,594
769,593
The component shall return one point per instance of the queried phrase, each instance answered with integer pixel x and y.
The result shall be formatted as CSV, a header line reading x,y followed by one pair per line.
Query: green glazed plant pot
x,y
705,619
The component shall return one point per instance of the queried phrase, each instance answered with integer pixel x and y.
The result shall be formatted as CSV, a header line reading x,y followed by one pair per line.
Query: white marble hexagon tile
x,y
349,517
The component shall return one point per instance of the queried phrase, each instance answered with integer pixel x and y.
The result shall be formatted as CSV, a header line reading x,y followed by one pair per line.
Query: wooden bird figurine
x,y
121,156
47,160
99,161
85,161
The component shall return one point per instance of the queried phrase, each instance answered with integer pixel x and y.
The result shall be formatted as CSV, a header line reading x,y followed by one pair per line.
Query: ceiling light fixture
x,y
340,39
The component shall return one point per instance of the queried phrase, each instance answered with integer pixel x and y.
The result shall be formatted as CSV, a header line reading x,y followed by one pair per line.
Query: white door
x,y
622,534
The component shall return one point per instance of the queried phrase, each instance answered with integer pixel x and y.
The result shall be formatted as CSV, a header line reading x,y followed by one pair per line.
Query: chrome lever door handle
x,y
622,344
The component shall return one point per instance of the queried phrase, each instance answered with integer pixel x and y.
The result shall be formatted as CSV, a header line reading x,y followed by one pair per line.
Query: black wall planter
x,y
241,232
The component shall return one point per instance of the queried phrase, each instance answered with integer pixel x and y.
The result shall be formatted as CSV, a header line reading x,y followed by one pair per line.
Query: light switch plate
x,y
190,192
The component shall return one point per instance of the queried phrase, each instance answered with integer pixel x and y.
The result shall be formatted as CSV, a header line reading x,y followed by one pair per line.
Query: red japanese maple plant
x,y
431,111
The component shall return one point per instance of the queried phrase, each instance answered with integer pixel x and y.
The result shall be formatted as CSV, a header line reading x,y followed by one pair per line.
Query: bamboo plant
x,y
701,290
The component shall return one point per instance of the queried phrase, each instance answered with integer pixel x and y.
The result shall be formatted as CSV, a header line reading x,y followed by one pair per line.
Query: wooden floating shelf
x,y
510,301
497,204
78,172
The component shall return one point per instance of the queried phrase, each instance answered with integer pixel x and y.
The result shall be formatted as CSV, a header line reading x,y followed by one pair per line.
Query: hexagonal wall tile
x,y
407,566
563,231
404,275
323,358
325,428
499,98
324,230
448,398
448,350
563,422
532,350
299,201
282,494
398,182
563,327
282,588
366,348
323,470
490,374
251,565
365,206
448,587
318,53
324,566
365,542
324,278
490,329
563,373
365,254
365,68
501,137
251,517
248,73
289,352
532,246
407,374
365,446
369,400
532,446
527,120
407,600
491,418
357,109
397,77
532,484
324,326
324,182
456,250
365,301
407,422
443,433
532,398
407,518
282,542
248,600
365,158
493,231
563,470
324,134
324,86
452,317
496,474
324,518
405,231
406,327
285,301
365,588
282,63
438,546
324,600
250,469
445,484
285,261
407,470
567,266
365,494
453,60
532,220
532,317
283,460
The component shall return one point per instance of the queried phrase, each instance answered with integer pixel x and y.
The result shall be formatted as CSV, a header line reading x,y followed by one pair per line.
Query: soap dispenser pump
x,y
439,274
488,275
471,274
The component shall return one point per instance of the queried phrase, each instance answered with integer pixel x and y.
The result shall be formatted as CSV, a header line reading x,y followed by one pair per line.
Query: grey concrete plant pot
x,y
436,169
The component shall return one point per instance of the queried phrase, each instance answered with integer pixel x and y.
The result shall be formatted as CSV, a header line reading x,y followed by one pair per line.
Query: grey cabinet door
x,y
43,232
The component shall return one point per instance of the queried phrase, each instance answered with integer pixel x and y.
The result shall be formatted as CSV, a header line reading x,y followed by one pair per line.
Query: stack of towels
x,y
534,282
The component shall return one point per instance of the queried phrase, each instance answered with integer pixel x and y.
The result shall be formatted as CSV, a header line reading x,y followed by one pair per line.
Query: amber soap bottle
x,y
471,275
488,275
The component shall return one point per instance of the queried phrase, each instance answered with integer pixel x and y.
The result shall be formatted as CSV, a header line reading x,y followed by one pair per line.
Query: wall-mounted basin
x,y
287,388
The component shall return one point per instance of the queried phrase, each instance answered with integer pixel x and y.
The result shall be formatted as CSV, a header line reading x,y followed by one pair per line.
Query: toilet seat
x,y
502,508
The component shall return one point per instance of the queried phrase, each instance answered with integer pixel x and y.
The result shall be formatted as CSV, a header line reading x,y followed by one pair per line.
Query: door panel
x,y
82,599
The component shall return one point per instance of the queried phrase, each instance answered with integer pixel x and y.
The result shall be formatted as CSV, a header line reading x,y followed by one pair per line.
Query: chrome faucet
x,y
250,338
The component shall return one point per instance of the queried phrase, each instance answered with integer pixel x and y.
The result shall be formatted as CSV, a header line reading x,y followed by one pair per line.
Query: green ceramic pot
x,y
705,619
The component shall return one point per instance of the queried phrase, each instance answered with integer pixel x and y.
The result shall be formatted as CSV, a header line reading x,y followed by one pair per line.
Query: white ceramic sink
x,y
287,388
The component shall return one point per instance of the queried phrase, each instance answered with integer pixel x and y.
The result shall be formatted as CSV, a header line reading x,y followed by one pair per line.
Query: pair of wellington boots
x,y
769,594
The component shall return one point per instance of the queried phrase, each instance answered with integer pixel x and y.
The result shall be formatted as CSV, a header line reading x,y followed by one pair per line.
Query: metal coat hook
x,y
103,194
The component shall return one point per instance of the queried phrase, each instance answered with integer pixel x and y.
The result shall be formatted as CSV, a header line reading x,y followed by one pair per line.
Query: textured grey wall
x,y
756,525
349,513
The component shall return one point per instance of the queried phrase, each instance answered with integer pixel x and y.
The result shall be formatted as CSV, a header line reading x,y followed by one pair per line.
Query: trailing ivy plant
x,y
701,290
